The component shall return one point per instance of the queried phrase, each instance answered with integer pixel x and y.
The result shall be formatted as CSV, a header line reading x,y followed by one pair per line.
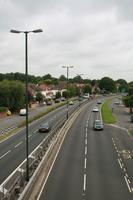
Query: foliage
x,y
77,79
62,78
87,89
123,86
128,101
73,91
130,91
47,76
3,109
107,84
57,95
65,93
39,97
11,94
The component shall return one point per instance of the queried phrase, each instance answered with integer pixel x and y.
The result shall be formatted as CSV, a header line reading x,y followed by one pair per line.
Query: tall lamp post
x,y
67,67
26,91
80,91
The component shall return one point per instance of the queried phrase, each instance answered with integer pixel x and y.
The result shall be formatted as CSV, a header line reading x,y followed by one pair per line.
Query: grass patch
x,y
107,115
9,134
131,132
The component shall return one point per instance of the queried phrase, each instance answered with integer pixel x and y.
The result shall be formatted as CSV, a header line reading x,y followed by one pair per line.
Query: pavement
x,y
121,113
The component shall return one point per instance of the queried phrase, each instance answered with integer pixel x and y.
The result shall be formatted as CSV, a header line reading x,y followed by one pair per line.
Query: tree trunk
x,y
131,110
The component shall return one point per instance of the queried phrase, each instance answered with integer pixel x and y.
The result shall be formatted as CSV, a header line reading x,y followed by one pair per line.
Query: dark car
x,y
97,125
44,128
99,101
57,100
49,103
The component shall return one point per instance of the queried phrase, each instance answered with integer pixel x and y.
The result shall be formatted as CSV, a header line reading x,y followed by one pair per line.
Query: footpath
x,y
122,114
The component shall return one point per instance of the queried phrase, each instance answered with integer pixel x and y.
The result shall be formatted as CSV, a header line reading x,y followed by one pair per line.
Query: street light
x,y
67,67
80,90
26,91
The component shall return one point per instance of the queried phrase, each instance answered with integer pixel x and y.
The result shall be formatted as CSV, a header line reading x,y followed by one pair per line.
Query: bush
x,y
3,109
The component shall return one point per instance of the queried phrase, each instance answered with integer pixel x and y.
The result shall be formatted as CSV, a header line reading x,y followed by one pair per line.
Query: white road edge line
x,y
84,186
85,150
5,154
85,141
18,144
85,163
127,184
120,163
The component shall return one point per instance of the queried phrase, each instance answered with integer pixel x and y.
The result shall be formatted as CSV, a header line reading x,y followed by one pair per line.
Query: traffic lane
x,y
13,121
123,144
14,152
66,179
53,117
33,128
15,155
105,179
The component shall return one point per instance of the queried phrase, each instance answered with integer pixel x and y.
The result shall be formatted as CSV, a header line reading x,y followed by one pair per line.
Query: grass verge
x,y
131,132
107,115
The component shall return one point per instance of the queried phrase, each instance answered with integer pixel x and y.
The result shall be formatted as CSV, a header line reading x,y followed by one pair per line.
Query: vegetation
x,y
131,132
12,88
11,94
107,115
39,97
3,109
57,95
107,84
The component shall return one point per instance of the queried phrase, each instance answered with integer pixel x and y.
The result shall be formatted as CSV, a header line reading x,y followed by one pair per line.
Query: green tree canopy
x,y
11,94
107,84
39,97
87,89
62,78
58,95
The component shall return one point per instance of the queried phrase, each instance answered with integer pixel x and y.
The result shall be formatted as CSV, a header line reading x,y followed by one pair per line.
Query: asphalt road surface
x,y
13,150
89,165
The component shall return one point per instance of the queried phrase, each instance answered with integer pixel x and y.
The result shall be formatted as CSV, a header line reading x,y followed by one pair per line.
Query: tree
x,y
58,95
77,79
47,76
16,98
93,82
62,78
107,84
65,93
122,85
87,89
73,91
128,101
48,81
130,91
11,94
39,97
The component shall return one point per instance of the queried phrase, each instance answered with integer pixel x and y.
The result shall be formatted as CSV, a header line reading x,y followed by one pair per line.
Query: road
x,y
89,165
12,151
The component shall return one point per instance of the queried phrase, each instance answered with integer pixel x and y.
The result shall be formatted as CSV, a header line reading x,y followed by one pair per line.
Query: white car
x,y
22,112
95,109
71,103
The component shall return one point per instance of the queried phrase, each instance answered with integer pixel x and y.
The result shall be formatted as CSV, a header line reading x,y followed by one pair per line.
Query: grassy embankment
x,y
107,115
131,132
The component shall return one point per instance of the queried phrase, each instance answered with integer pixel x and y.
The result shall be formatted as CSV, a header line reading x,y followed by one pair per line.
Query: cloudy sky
x,y
94,36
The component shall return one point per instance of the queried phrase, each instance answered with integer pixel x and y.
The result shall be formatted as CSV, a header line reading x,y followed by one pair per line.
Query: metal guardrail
x,y
16,182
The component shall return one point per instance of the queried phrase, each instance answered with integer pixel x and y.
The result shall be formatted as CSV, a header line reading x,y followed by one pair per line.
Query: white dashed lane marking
x,y
18,144
5,154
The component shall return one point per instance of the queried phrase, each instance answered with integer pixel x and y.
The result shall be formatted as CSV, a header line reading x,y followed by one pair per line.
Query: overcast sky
x,y
95,36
